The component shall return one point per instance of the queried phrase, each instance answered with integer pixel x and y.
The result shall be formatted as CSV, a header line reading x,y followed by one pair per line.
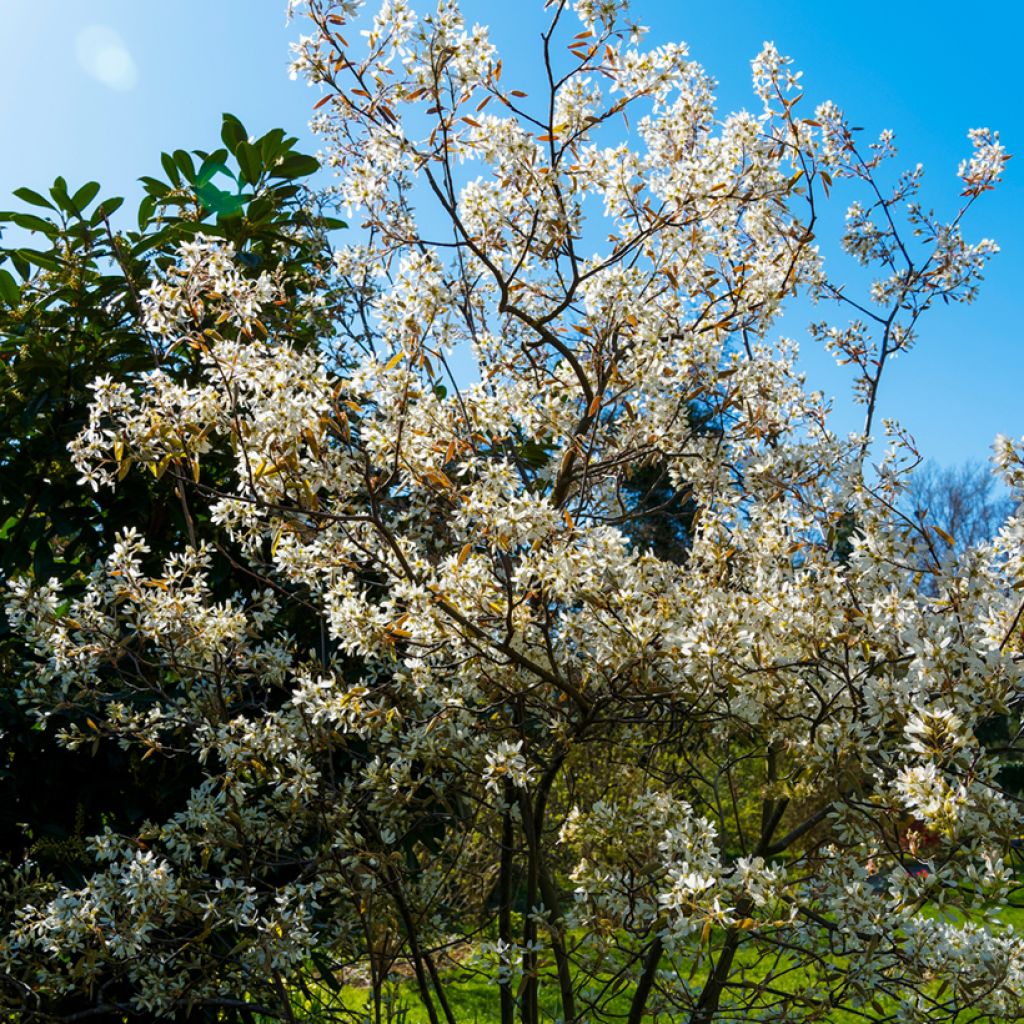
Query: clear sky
x,y
97,89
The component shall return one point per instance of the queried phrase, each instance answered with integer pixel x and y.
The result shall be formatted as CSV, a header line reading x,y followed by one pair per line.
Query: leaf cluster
x,y
71,286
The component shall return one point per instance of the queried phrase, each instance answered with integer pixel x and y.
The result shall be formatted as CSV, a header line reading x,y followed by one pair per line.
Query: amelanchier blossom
x,y
732,775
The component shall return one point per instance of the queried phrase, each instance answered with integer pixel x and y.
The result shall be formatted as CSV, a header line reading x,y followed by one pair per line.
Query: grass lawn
x,y
474,999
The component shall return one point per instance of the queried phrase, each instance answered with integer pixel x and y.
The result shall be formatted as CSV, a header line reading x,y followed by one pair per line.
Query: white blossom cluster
x,y
766,736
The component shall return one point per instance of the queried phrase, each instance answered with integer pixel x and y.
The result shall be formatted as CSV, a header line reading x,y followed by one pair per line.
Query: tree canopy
x,y
603,668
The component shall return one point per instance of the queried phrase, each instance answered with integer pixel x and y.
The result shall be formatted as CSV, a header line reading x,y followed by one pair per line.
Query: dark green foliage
x,y
662,515
70,312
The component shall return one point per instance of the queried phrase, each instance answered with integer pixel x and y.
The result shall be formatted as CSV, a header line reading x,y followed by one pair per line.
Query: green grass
x,y
474,999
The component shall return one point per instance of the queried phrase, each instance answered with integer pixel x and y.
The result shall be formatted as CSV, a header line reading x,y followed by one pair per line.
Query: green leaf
x,y
249,161
30,222
42,560
534,454
260,210
21,265
325,971
170,169
210,168
85,195
59,191
146,210
204,228
158,238
38,403
272,146
184,161
233,132
219,202
296,166
154,186
41,259
106,208
27,195
9,290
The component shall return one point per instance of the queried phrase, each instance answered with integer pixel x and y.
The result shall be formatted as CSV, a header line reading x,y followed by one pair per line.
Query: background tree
x,y
963,507
964,501
72,311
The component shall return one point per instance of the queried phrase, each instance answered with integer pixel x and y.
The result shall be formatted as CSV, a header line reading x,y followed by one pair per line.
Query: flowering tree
x,y
734,775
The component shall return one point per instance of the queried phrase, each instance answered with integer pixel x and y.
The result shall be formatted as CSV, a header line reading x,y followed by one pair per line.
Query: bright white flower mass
x,y
738,730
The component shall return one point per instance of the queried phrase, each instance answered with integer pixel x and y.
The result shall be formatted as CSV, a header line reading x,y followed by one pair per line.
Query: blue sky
x,y
97,90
